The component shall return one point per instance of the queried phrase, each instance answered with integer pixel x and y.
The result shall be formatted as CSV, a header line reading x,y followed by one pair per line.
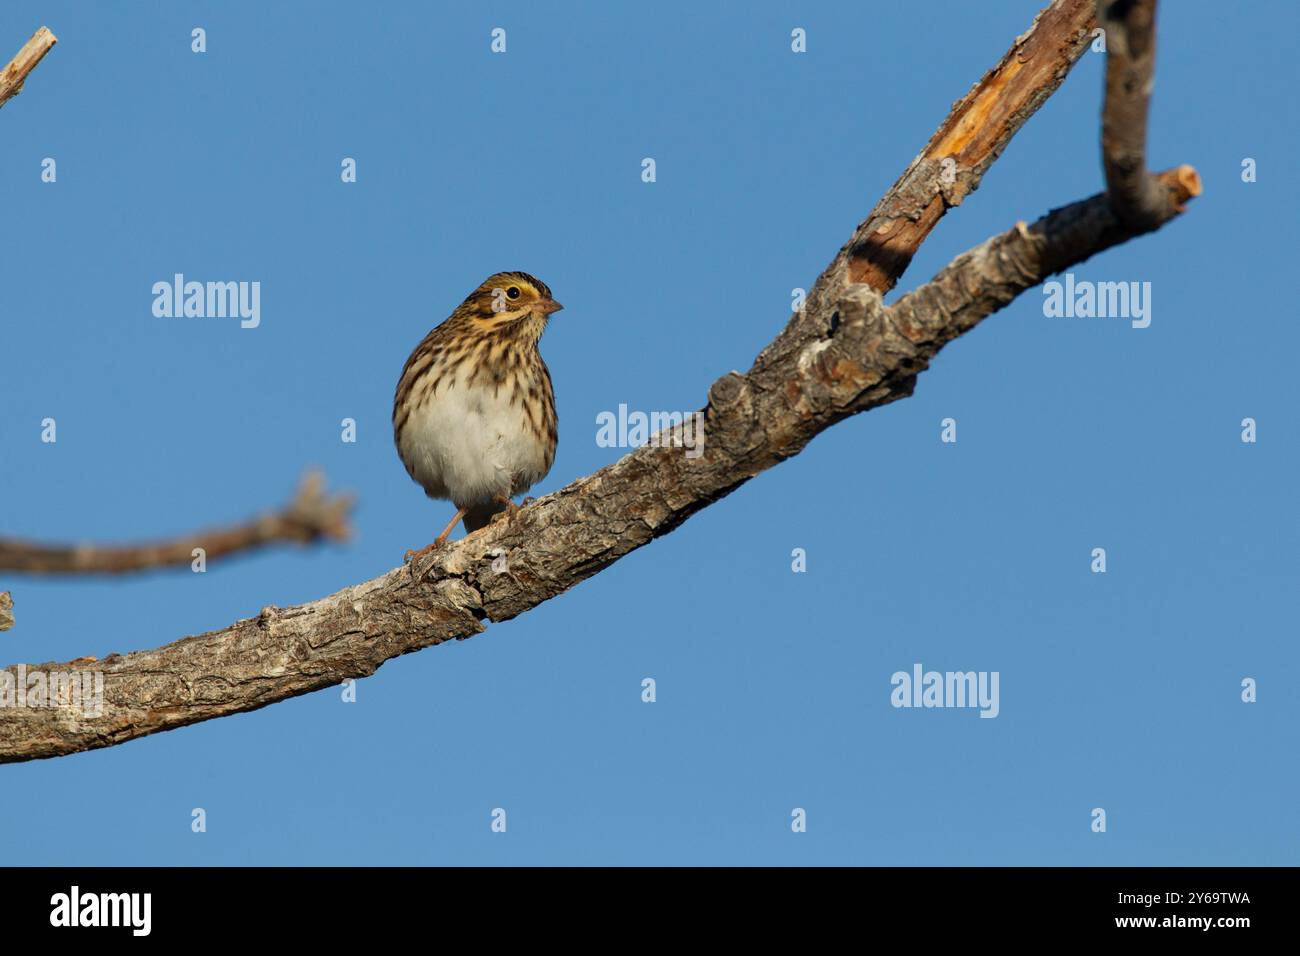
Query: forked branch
x,y
310,517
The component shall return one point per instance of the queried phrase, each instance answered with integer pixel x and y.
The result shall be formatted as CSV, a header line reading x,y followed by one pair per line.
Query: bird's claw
x,y
414,555
508,504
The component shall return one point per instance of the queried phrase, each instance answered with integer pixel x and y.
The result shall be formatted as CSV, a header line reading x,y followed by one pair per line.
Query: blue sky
x,y
1118,690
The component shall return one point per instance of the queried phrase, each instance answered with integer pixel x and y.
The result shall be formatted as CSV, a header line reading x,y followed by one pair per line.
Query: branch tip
x,y
15,73
311,516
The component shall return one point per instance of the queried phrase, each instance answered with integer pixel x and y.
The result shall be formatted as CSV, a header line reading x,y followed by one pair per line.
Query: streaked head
x,y
508,297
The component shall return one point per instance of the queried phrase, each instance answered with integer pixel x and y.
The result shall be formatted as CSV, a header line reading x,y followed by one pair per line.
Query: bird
x,y
474,412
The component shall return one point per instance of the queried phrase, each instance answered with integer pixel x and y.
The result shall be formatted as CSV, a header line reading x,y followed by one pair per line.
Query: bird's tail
x,y
479,515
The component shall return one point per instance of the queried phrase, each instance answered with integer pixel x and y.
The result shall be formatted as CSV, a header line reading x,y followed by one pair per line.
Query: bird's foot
x,y
438,542
510,506
414,555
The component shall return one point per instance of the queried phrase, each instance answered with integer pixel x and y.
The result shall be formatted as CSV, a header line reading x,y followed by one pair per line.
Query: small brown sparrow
x,y
474,414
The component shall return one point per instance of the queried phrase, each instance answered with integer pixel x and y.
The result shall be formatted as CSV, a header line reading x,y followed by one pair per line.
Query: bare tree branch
x,y
1136,195
847,353
6,611
13,75
953,163
310,517
977,130
979,282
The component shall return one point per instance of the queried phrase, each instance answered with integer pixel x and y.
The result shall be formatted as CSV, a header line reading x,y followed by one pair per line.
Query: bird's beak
x,y
549,306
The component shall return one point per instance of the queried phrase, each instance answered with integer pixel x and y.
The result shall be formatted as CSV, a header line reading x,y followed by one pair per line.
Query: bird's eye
x,y
513,292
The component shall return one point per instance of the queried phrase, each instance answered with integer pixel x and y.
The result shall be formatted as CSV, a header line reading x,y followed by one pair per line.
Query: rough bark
x,y
983,280
977,130
953,162
846,353
6,611
312,516
24,61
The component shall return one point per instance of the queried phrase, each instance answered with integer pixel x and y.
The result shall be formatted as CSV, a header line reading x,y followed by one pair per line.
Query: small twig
x,y
13,75
310,517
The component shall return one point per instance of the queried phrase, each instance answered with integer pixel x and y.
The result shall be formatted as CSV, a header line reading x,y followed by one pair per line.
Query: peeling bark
x,y
954,161
14,75
977,130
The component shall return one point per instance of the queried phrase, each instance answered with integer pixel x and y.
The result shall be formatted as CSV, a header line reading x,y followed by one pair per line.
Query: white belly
x,y
469,446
